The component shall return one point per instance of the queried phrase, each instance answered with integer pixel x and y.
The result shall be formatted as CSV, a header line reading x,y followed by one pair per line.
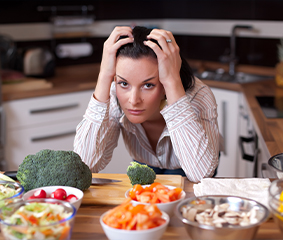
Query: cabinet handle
x,y
248,157
224,119
52,109
43,138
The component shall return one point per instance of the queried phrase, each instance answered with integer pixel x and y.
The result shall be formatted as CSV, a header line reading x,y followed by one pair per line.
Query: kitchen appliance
x,y
276,163
272,107
38,62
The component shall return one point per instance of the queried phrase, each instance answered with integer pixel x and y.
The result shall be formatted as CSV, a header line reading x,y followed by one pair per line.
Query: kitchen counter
x,y
83,77
87,224
270,129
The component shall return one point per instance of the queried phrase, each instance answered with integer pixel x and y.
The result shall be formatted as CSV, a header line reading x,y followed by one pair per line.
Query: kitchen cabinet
x,y
120,159
246,168
228,110
257,148
47,122
239,158
253,153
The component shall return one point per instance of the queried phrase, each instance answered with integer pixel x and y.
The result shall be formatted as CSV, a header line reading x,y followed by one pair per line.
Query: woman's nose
x,y
135,97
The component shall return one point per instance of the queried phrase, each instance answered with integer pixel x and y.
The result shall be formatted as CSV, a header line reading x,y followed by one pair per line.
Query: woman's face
x,y
138,88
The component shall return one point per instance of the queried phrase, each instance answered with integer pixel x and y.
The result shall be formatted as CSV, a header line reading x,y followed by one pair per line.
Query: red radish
x,y
59,194
71,198
32,197
39,194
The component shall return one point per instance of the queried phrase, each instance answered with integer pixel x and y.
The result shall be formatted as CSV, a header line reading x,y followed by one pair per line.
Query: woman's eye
x,y
148,85
123,84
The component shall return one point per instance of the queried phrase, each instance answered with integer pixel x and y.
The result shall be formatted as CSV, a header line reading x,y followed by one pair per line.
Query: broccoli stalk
x,y
51,168
140,174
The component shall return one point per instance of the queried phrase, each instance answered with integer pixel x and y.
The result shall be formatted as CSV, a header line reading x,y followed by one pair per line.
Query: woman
x,y
168,119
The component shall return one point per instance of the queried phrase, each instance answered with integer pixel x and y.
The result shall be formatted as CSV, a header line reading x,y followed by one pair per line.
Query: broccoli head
x,y
51,168
140,174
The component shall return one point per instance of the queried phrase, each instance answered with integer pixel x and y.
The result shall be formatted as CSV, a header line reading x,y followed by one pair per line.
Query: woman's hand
x,y
108,62
169,63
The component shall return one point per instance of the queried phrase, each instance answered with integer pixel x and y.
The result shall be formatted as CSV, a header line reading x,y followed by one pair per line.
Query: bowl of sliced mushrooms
x,y
221,217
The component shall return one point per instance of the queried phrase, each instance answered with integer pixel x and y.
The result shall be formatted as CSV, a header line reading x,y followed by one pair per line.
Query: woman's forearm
x,y
96,137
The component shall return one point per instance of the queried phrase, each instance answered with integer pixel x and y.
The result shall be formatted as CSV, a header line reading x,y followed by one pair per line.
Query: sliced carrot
x,y
33,220
47,232
24,216
65,233
127,216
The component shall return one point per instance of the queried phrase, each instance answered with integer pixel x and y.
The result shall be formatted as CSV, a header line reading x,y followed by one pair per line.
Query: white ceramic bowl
x,y
119,234
49,189
165,207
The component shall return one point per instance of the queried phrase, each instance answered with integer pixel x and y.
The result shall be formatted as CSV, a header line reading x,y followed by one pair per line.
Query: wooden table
x,y
87,224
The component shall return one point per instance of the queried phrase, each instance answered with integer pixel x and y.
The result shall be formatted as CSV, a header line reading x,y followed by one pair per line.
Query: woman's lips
x,y
135,112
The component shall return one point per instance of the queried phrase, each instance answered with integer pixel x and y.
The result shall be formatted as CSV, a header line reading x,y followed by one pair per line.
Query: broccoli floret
x,y
51,168
140,174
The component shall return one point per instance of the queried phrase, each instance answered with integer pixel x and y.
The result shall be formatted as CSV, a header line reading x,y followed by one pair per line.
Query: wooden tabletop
x,y
87,224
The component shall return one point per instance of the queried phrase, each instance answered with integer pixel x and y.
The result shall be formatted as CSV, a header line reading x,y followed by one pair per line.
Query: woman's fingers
x,y
119,32
111,45
168,55
161,36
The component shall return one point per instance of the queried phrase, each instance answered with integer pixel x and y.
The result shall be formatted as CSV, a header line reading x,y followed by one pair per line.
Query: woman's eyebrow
x,y
143,81
121,78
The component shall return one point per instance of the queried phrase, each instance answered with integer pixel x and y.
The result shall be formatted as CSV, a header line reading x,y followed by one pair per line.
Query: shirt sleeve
x,y
97,135
193,129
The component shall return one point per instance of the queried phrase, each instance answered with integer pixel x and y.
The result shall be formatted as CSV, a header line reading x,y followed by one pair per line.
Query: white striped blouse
x,y
190,139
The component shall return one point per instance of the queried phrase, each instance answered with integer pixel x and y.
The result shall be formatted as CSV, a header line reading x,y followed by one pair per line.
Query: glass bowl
x,y
10,192
37,219
276,203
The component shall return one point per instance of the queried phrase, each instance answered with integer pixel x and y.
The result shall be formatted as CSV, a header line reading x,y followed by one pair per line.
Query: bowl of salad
x,y
165,197
10,192
37,219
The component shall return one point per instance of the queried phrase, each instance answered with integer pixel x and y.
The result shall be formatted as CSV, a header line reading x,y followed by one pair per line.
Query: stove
x,y
271,107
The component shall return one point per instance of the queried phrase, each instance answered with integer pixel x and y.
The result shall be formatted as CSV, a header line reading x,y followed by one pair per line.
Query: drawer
x,y
22,142
47,109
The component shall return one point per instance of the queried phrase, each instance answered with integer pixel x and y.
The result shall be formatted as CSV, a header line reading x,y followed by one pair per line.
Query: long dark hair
x,y
137,50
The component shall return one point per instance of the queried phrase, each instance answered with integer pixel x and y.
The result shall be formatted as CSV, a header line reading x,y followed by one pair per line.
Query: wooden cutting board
x,y
25,84
114,193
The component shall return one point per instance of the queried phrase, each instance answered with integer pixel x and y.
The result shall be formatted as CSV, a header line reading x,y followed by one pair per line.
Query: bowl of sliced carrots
x,y
165,197
138,222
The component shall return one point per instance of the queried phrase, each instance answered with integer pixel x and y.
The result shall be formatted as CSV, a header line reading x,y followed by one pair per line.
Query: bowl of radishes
x,y
64,193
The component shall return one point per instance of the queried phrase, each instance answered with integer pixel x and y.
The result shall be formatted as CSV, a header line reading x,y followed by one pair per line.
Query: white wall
x,y
43,31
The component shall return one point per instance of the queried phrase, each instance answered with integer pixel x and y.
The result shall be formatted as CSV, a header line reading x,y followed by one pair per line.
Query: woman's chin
x,y
135,119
